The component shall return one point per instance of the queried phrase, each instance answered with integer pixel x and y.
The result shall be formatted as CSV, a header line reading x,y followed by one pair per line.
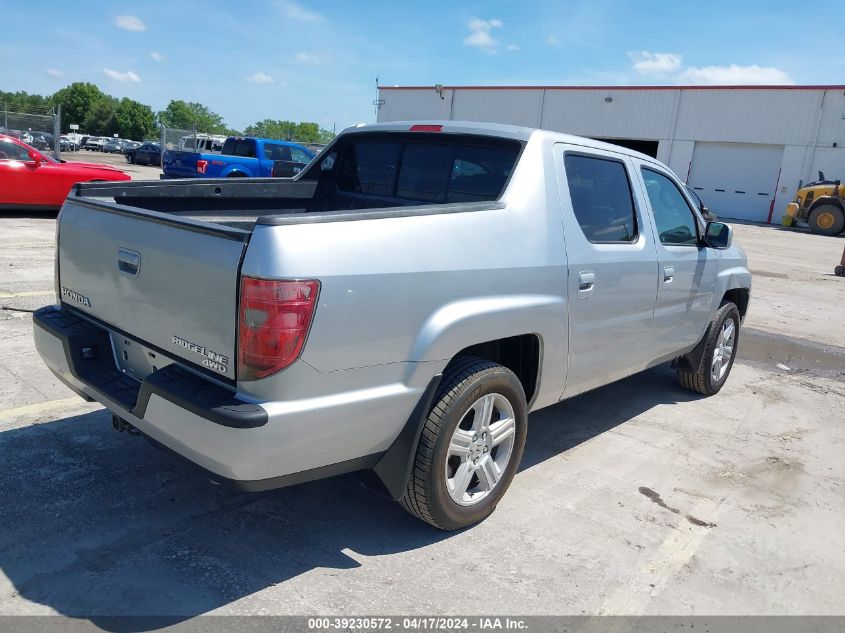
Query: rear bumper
x,y
254,446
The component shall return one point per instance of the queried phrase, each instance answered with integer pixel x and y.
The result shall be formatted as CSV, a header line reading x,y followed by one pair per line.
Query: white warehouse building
x,y
744,149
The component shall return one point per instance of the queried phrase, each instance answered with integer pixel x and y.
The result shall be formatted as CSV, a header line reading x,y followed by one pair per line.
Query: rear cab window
x,y
244,147
434,170
602,200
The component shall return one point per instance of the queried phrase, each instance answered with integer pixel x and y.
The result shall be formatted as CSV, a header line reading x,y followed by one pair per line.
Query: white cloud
x,y
552,40
260,78
479,34
130,23
670,65
54,72
311,58
658,64
513,47
734,74
159,57
298,12
128,76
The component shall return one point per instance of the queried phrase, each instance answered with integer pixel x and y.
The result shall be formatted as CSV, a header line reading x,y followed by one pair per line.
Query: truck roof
x,y
501,130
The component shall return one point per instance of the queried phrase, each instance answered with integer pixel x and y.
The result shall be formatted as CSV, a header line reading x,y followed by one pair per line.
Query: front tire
x,y
720,348
826,219
470,446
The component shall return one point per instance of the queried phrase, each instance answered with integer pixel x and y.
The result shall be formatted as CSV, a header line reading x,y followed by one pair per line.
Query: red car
x,y
33,180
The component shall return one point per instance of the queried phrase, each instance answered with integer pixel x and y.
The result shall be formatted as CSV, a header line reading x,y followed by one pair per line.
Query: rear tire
x,y
721,342
826,219
470,446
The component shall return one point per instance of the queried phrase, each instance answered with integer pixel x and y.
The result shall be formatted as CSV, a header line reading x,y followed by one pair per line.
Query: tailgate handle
x,y
128,262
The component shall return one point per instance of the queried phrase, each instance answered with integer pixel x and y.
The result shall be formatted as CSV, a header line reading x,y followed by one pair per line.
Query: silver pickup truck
x,y
401,305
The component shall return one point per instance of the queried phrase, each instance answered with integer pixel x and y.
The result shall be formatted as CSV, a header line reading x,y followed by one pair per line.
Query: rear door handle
x,y
586,283
128,262
668,274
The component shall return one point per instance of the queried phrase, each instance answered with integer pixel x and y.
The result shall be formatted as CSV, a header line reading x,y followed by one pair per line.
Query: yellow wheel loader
x,y
821,205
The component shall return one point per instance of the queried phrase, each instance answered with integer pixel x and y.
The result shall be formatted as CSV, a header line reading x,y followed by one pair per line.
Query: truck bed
x,y
240,204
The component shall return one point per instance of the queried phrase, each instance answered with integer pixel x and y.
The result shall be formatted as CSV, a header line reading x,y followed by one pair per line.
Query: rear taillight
x,y
273,322
202,165
422,127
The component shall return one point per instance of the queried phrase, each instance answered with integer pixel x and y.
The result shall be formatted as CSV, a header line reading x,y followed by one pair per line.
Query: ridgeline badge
x,y
212,360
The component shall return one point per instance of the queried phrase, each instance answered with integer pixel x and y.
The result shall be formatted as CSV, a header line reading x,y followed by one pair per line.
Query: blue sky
x,y
318,61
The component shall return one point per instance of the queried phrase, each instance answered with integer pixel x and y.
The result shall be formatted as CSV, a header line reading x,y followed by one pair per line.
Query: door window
x,y
13,151
299,156
601,198
676,224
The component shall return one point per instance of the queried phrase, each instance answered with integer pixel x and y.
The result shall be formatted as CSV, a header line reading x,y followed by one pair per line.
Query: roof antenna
x,y
438,88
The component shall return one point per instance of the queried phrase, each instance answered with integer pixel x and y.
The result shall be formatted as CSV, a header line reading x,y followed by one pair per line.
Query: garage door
x,y
736,180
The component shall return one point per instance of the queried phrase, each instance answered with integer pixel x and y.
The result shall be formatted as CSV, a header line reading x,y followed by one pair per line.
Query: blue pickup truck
x,y
240,157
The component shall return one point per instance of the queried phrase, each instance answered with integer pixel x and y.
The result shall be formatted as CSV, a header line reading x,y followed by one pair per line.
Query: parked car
x,y
400,305
68,143
128,146
202,143
95,143
40,140
240,157
31,179
146,154
114,146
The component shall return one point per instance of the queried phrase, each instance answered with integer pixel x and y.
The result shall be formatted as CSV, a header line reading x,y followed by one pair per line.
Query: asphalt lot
x,y
637,498
138,172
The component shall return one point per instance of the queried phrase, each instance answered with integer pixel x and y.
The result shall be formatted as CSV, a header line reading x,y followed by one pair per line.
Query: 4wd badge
x,y
212,360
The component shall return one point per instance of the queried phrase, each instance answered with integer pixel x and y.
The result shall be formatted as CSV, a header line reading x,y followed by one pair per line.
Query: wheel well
x,y
738,296
520,354
836,202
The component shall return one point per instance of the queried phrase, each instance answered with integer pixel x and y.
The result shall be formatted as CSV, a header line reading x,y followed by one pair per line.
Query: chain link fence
x,y
189,139
41,130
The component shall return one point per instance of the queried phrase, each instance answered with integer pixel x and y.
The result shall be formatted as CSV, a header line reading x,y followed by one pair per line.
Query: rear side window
x,y
601,198
427,172
276,152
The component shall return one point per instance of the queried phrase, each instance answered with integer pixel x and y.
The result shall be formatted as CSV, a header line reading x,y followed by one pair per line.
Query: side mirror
x,y
35,157
719,235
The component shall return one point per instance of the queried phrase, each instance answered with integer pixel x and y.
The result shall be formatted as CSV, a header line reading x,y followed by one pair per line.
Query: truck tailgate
x,y
171,283
180,163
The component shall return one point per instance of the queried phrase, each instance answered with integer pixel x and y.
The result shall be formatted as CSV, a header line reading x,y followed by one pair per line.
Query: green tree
x,y
186,115
77,101
326,136
134,120
305,132
21,101
101,118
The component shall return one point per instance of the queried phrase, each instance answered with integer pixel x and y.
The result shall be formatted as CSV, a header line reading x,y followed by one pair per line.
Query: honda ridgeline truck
x,y
400,305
